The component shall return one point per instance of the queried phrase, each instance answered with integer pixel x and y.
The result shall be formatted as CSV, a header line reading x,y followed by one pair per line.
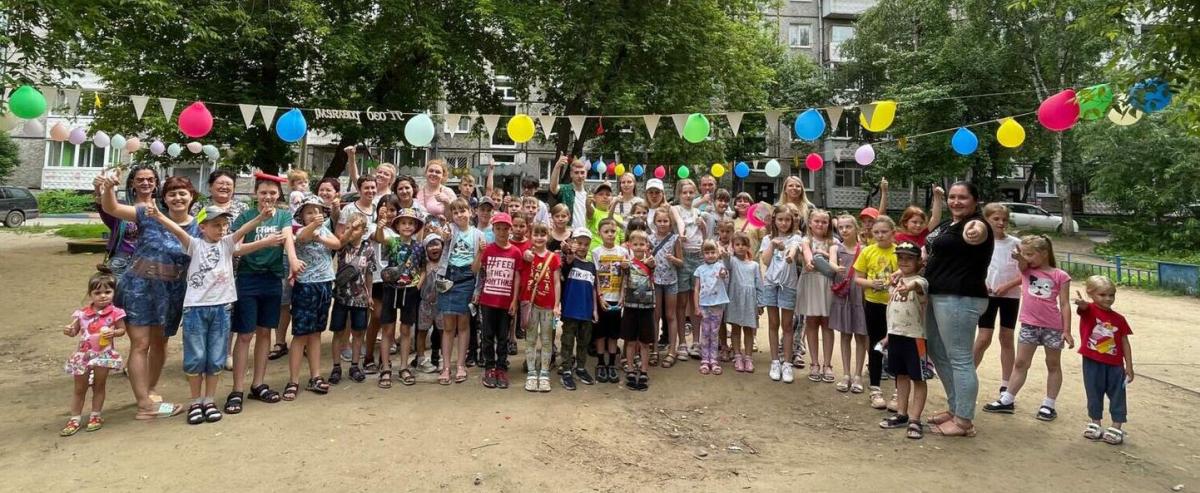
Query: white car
x,y
1027,216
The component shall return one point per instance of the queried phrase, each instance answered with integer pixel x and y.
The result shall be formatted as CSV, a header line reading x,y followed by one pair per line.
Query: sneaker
x,y
583,376
776,371
489,379
877,401
601,374
738,365
543,382
788,374
512,348
531,383
749,363
347,354
999,407
501,379
613,375
568,382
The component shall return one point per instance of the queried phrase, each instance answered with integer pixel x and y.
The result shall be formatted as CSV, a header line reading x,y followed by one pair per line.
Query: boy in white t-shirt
x,y
906,341
211,292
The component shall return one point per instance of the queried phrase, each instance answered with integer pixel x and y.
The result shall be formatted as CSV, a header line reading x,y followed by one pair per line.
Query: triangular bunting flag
x,y
577,124
867,111
452,120
168,107
547,122
247,113
473,117
651,123
735,120
490,122
835,117
139,105
680,120
51,94
268,114
772,117
72,96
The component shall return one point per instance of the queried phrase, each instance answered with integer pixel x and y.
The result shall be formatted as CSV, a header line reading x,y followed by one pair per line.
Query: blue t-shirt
x,y
579,290
712,286
318,259
464,246
157,244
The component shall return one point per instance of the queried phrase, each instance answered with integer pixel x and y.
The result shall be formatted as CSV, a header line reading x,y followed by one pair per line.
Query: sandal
x,y
290,390
814,374
356,374
264,394
278,351
894,421
1114,436
844,385
856,386
681,353
335,375
916,430
951,429
798,362
716,369
317,385
164,410
1046,413
827,376
385,379
71,428
233,403
1093,432
654,358
668,362
195,414
749,364
461,375
406,377
95,422
211,413
444,378
940,418
704,369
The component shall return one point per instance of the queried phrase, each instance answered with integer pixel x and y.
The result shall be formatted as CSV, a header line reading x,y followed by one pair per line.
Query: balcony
x,y
844,9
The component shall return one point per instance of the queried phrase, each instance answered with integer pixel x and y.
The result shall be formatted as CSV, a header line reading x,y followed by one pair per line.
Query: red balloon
x,y
195,121
660,172
612,168
814,162
1059,112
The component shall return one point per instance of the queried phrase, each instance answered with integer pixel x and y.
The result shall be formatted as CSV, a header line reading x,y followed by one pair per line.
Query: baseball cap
x,y
654,184
212,213
582,232
603,187
870,212
907,248
432,238
312,200
502,218
486,201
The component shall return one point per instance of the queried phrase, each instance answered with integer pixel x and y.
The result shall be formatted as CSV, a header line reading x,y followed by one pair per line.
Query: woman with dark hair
x,y
221,186
405,189
141,188
959,250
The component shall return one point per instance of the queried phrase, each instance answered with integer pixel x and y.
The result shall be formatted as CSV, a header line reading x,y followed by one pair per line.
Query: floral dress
x,y
95,350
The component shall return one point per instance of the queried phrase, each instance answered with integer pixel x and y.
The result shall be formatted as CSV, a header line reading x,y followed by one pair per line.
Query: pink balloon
x,y
195,121
814,162
1059,112
660,172
133,144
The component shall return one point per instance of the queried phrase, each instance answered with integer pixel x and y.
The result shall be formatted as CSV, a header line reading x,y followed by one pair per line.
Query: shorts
x,y
1040,336
310,307
783,297
609,326
637,324
455,301
905,356
666,289
428,316
356,315
285,296
258,302
686,274
408,301
1007,307
205,339
377,290
386,301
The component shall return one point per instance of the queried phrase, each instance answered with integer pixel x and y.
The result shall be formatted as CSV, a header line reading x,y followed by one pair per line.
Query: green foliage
x,y
73,231
10,157
65,202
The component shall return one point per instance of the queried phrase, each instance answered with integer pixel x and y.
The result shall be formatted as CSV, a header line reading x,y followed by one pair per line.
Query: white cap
x,y
584,232
654,184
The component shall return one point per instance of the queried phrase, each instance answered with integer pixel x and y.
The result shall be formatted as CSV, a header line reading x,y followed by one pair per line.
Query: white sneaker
x,y
531,383
775,370
543,384
788,376
426,366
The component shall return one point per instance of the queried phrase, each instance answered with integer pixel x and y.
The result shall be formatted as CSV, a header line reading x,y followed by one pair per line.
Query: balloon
x,y
773,168
660,172
810,125
964,141
599,166
1122,113
34,128
77,136
1094,101
741,169
133,144
292,127
195,121
418,131
864,155
195,147
620,169
1149,95
520,128
157,148
100,139
683,172
696,129
174,149
1010,134
1059,112
59,132
27,102
611,168
118,142
210,151
8,121
752,215
717,170
639,170
814,161
881,118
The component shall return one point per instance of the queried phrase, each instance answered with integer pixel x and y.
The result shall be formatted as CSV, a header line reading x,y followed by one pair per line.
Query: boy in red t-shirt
x,y
519,237
540,292
1107,358
496,295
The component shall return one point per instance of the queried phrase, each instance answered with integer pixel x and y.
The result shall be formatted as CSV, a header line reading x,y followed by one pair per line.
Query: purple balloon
x,y
77,136
157,148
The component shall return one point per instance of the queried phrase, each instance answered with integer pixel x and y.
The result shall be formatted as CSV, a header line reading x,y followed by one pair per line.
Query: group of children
x,y
474,280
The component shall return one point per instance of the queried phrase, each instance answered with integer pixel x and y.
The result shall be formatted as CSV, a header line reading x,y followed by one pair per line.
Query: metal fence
x,y
1129,271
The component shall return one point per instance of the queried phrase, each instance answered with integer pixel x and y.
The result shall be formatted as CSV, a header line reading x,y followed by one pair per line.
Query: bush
x,y
65,202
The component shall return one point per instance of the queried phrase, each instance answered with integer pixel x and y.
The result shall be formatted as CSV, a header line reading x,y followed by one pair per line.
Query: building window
x,y
1045,187
847,175
800,35
68,155
60,154
848,127
837,36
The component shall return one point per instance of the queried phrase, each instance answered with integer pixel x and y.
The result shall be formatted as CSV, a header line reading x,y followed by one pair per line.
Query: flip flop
x,y
164,410
444,378
460,376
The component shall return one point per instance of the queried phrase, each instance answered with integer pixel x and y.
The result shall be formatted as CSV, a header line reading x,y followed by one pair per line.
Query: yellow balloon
x,y
520,128
1010,134
717,170
620,169
881,118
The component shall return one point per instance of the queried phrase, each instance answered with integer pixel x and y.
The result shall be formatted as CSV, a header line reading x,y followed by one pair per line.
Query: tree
x,y
10,157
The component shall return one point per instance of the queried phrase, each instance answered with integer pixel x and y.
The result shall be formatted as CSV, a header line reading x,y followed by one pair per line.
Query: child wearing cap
x,y
405,260
209,298
579,295
497,296
599,209
311,295
906,340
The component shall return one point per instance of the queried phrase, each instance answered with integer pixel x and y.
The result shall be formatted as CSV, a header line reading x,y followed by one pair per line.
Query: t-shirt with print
x,y
523,246
1101,335
210,274
610,264
463,246
372,217
906,312
267,260
576,200
691,218
317,258
664,272
356,268
639,286
875,263
1039,296
779,271
1003,267
91,322
406,256
579,290
541,270
713,291
499,269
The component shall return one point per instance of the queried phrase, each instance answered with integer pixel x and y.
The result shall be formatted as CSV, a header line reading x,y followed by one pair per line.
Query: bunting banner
x,y
490,122
268,114
72,96
680,120
139,105
248,111
51,94
547,123
772,117
835,117
452,120
168,107
868,111
651,123
735,120
577,124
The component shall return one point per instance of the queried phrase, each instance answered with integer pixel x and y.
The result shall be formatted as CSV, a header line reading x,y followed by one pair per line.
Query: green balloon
x,y
1094,101
683,172
26,102
696,129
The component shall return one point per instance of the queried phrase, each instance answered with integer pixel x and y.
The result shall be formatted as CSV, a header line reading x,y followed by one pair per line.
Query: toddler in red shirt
x,y
1107,358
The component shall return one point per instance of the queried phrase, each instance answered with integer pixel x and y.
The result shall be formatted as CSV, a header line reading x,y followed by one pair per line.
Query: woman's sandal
x,y
916,430
163,410
1114,436
385,379
940,418
444,377
290,391
264,394
233,403
814,374
668,362
278,351
827,376
406,377
461,375
951,429
844,385
211,413
317,385
856,386
716,369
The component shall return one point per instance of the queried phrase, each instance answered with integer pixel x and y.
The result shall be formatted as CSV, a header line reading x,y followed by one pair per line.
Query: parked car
x,y
1028,216
17,205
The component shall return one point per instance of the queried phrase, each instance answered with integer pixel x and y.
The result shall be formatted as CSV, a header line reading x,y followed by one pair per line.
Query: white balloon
x,y
773,168
211,152
174,149
8,121
101,139
117,141
195,147
34,128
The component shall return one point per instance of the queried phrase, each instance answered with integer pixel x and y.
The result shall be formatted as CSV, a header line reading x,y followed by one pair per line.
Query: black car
x,y
17,205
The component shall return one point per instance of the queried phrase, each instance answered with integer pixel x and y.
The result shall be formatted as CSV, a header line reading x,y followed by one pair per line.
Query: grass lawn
x,y
73,231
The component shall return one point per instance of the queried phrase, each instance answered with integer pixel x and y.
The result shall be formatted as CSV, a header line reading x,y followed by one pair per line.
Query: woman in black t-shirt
x,y
959,251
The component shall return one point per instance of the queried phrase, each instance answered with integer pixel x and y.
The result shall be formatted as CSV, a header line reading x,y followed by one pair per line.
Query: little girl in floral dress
x,y
96,325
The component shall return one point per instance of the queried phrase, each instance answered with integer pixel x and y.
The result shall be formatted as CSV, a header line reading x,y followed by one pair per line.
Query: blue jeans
x,y
205,339
1099,380
950,333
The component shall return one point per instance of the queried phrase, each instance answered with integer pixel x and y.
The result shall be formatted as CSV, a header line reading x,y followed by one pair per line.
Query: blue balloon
x,y
810,125
639,170
964,141
741,169
291,127
599,167
1150,95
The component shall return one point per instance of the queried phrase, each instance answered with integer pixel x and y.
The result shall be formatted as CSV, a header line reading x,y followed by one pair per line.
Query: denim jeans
x,y
950,333
1101,380
205,339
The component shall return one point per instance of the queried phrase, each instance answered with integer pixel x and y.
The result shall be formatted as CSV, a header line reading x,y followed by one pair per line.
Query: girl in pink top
x,y
95,325
434,196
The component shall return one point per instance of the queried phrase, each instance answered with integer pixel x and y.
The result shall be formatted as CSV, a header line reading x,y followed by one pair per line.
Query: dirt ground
x,y
728,432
